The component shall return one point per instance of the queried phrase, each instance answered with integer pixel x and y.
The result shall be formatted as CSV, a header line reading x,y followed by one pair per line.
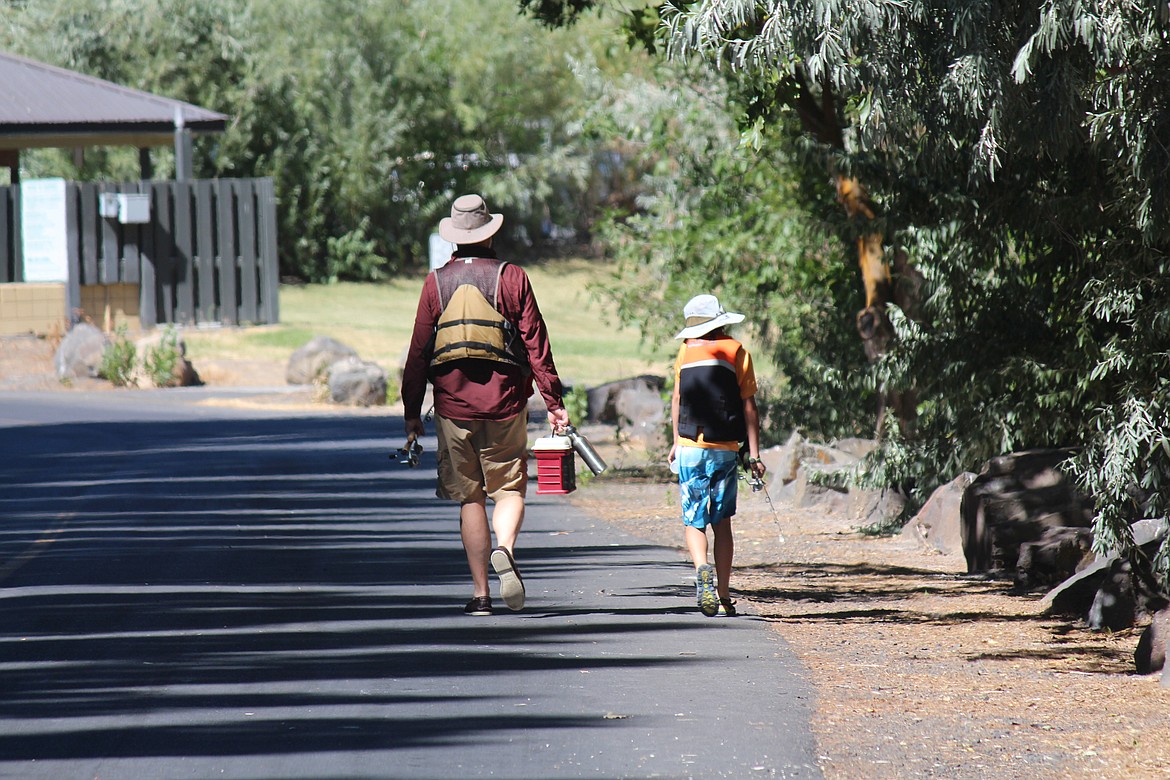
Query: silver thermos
x,y
583,448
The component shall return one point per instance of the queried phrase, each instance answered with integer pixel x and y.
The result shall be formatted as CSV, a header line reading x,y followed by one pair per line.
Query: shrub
x,y
161,361
118,360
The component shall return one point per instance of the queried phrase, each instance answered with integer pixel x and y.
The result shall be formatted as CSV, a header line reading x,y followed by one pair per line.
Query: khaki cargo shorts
x,y
482,458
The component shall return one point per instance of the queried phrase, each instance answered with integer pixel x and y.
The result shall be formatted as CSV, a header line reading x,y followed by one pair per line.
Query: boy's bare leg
x,y
477,543
696,544
724,554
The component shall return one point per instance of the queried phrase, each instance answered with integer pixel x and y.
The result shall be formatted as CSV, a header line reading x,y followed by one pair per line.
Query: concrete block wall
x,y
110,305
30,307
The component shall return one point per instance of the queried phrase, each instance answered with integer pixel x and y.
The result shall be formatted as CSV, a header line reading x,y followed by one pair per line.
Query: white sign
x,y
43,230
440,251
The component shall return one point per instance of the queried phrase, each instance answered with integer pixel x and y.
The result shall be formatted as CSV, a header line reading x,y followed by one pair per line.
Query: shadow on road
x,y
203,588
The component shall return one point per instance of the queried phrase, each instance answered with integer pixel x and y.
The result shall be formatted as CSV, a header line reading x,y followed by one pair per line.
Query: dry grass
x,y
376,320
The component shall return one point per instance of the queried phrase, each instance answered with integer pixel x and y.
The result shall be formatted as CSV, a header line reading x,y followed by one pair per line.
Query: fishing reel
x,y
745,463
408,454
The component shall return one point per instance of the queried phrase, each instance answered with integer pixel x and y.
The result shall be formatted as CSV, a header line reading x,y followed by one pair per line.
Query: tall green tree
x,y
369,115
1016,154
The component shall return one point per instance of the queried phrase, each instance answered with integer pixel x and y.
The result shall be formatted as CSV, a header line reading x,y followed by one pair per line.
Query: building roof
x,y
42,105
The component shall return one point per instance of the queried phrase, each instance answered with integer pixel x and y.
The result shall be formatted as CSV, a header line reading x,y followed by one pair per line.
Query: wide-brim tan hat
x,y
704,314
470,221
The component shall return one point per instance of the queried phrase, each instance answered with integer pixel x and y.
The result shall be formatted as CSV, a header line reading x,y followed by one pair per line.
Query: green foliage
x,y
161,361
370,117
1019,154
576,402
118,359
712,215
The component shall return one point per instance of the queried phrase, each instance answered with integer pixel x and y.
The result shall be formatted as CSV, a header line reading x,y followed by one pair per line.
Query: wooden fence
x,y
206,255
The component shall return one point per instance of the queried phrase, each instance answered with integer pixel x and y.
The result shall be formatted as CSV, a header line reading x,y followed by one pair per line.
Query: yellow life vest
x,y
470,325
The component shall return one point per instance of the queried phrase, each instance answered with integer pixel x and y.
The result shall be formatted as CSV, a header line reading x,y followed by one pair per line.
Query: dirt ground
x,y
918,670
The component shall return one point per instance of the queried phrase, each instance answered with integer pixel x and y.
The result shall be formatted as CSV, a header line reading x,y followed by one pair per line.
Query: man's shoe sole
x,y
511,585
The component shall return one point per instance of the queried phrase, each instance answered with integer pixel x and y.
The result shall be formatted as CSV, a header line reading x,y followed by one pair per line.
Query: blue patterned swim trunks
x,y
707,484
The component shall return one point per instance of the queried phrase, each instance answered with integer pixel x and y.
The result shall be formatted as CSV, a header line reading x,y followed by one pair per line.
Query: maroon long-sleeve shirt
x,y
482,389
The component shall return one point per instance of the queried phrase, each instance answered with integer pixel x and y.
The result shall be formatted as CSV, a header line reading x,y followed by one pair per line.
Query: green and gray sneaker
x,y
705,590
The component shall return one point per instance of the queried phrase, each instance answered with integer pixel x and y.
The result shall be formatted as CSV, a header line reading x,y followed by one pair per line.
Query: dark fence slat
x,y
111,254
249,270
228,255
7,253
164,250
205,308
72,253
131,244
184,254
89,233
148,286
269,261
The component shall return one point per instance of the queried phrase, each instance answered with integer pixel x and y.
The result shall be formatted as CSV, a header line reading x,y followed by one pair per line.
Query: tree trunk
x,y
819,117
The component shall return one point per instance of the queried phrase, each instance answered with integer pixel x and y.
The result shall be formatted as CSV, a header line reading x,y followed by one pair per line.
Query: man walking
x,y
480,339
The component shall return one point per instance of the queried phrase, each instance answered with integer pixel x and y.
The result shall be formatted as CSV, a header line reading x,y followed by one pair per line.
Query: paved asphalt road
x,y
188,591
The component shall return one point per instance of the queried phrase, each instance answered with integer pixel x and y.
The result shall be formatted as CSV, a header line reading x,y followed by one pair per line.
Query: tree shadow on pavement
x,y
153,573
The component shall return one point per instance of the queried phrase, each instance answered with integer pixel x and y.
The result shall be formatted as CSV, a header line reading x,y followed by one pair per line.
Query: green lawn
x,y
376,320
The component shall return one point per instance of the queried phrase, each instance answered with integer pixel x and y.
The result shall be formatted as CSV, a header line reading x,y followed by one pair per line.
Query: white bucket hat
x,y
470,222
703,315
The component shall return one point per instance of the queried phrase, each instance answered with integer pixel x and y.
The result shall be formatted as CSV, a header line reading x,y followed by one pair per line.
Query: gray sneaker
x,y
511,583
705,590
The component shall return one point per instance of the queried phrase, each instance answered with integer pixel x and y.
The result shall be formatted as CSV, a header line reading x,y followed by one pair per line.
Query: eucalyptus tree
x,y
1016,155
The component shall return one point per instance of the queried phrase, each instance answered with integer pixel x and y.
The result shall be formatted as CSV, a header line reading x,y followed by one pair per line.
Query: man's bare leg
x,y
477,543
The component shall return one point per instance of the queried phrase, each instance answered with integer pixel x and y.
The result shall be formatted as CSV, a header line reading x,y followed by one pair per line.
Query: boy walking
x,y
712,411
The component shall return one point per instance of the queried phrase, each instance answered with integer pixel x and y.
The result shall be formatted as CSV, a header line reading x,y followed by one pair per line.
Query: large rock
x,y
311,361
937,526
356,382
641,413
815,476
1078,596
1056,555
1150,654
603,400
1014,500
79,355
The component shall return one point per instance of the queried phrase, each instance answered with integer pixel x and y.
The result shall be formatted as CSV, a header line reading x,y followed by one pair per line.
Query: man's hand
x,y
559,420
414,428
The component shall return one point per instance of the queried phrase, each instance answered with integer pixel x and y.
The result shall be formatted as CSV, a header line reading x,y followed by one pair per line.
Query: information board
x,y
43,230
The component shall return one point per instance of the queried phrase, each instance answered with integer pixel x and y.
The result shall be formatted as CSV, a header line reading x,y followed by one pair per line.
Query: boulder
x,y
641,413
877,509
1150,654
602,401
936,526
1057,555
1078,596
1114,606
311,361
79,355
784,464
356,382
1015,499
